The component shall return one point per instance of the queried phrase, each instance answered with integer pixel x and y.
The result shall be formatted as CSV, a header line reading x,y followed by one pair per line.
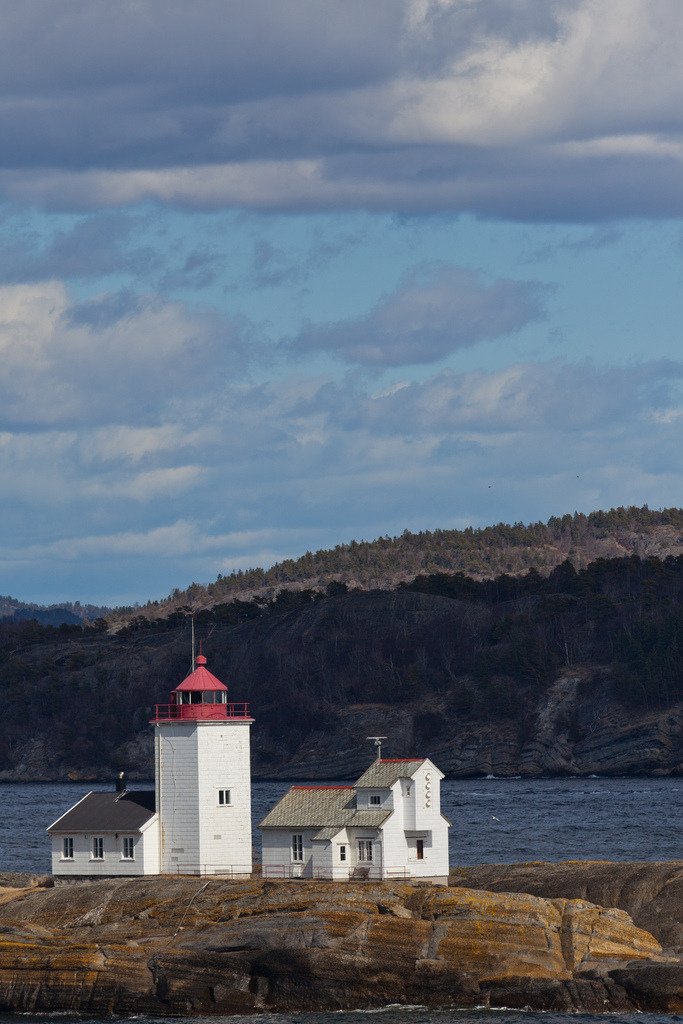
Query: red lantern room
x,y
200,696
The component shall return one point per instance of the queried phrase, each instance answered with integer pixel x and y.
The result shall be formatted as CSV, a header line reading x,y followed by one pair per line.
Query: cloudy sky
x,y
276,275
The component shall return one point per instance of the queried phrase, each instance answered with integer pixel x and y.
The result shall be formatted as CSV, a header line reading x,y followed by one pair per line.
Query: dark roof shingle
x,y
108,812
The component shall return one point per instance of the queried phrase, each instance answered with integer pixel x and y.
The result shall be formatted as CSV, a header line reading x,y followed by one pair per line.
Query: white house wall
x,y
322,859
427,795
83,863
276,853
150,846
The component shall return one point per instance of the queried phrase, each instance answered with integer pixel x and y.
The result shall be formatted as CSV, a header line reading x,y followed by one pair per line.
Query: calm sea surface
x,y
494,820
388,1015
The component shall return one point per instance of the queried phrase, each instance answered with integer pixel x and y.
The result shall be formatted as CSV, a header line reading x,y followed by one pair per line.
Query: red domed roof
x,y
201,678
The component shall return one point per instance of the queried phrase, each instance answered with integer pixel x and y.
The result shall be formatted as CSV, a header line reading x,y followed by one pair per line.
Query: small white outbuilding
x,y
107,835
388,825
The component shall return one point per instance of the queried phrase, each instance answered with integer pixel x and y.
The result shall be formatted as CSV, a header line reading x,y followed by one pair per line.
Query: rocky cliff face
x,y
317,680
165,946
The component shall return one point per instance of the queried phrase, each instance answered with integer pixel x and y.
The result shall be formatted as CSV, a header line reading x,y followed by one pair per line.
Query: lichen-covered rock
x,y
650,892
169,945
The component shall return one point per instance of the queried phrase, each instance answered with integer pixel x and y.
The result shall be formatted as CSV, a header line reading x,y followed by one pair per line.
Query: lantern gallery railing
x,y
178,712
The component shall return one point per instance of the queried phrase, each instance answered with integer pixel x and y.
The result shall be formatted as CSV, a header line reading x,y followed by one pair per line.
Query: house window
x,y
98,848
375,800
128,848
365,850
342,852
420,849
68,848
297,848
224,798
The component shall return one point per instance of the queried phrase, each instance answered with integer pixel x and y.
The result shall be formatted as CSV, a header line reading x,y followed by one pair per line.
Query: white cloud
x,y
59,373
145,486
134,444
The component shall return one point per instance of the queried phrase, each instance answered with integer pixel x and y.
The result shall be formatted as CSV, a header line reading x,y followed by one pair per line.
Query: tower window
x,y
98,848
67,848
224,798
297,848
128,848
420,849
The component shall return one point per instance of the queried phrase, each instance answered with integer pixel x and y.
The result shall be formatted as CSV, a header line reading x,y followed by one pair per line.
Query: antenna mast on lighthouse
x,y
378,744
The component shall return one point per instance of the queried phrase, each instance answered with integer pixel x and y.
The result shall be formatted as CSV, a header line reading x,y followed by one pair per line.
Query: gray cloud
x,y
273,267
105,310
95,246
434,312
508,110
534,398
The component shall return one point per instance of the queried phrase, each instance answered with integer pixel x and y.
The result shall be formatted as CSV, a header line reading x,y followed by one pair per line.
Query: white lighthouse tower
x,y
203,779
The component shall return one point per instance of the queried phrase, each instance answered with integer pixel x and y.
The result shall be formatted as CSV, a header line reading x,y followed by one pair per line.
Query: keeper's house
x,y
388,825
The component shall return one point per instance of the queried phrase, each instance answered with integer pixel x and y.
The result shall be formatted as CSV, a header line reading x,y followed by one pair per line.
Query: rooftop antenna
x,y
378,744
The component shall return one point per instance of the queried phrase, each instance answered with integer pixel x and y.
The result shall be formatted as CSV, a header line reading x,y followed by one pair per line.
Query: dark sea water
x,y
493,820
390,1015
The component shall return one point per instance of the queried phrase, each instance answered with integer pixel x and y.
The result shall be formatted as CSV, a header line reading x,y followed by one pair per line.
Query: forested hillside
x,y
480,553
69,612
578,672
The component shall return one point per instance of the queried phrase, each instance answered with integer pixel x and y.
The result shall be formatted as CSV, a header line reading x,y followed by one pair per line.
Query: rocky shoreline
x,y
169,946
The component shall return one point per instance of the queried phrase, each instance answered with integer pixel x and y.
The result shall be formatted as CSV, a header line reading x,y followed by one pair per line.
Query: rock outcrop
x,y
178,946
650,892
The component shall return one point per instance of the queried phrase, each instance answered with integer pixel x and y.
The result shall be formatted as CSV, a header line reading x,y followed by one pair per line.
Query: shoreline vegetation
x,y
574,936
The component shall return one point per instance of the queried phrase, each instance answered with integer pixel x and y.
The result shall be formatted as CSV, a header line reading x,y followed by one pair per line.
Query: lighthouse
x,y
203,778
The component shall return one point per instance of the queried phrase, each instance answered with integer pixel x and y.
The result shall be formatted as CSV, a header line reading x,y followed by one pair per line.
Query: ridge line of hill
x,y
479,552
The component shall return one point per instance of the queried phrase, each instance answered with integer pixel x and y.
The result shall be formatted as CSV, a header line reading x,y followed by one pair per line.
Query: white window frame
x,y
97,849
224,798
297,848
365,851
68,848
375,800
342,852
128,844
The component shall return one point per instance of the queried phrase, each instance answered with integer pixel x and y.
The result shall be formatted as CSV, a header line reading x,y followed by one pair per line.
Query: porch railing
x,y
360,873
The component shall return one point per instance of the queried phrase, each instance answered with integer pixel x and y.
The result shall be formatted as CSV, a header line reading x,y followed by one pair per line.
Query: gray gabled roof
x,y
326,833
322,807
108,812
384,773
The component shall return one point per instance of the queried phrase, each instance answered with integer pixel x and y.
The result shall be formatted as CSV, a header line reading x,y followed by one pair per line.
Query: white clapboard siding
x,y
145,854
194,760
